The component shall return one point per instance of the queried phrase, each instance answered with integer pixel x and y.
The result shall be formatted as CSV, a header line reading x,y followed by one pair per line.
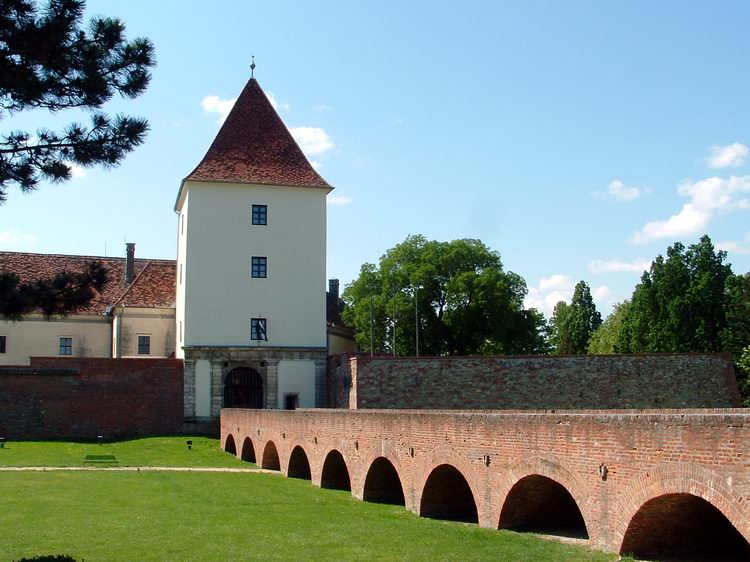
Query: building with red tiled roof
x,y
133,315
251,306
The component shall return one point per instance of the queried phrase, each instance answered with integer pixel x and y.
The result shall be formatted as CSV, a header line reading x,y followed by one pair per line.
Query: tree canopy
x,y
49,61
456,294
572,324
681,303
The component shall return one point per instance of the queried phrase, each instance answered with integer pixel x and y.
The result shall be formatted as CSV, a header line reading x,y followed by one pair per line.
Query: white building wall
x,y
36,337
297,377
220,297
182,228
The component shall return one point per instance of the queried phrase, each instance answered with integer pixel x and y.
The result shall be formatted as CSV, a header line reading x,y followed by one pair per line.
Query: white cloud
x,y
321,108
732,155
338,200
274,102
619,266
601,293
312,140
619,191
732,247
15,236
214,104
707,197
549,292
315,164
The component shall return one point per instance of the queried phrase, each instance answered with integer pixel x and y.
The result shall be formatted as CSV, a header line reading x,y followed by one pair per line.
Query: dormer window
x,y
260,214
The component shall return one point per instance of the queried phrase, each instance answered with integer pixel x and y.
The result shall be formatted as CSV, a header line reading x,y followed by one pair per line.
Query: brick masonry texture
x,y
648,454
80,398
589,381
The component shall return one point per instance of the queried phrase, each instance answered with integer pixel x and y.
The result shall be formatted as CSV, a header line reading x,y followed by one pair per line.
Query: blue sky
x,y
578,139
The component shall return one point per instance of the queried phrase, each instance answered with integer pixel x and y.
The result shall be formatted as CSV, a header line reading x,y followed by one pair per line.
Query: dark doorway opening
x,y
291,401
335,474
540,505
382,484
299,466
447,495
243,388
683,527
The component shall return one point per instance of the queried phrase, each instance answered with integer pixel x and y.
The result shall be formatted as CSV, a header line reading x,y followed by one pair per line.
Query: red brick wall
x,y
648,454
589,381
80,398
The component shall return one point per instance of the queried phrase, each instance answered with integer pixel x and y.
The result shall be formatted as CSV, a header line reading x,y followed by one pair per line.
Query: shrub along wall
x,y
80,398
543,382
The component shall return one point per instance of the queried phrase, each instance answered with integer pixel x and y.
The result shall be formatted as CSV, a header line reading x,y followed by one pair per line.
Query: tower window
x,y
3,343
259,266
144,345
258,329
260,214
66,345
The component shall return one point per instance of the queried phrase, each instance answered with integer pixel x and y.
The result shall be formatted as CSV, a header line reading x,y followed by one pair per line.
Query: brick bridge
x,y
649,482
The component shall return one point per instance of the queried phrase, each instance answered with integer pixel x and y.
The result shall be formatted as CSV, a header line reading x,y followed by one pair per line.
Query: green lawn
x,y
151,451
107,515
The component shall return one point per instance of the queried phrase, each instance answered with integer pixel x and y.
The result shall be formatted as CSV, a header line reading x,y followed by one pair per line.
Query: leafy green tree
x,y
573,324
49,61
681,303
604,338
455,293
743,376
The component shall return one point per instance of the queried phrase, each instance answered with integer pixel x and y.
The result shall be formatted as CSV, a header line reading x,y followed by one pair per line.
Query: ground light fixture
x,y
189,444
2,442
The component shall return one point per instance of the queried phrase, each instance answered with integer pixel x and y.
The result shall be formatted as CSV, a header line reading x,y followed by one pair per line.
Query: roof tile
x,y
254,146
153,286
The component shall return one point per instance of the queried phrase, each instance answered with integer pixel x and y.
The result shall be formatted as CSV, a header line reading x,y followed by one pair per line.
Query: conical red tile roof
x,y
254,146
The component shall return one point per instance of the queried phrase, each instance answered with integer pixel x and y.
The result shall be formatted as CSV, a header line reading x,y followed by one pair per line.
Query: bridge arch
x,y
540,504
448,489
270,458
335,474
229,445
248,451
299,464
541,495
682,495
382,483
683,525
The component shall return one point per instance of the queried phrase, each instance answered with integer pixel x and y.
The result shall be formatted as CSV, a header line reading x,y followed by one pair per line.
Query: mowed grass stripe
x,y
228,516
150,451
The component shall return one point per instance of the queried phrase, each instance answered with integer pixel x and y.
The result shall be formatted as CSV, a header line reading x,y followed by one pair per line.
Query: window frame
x,y
255,335
65,349
138,344
259,266
259,215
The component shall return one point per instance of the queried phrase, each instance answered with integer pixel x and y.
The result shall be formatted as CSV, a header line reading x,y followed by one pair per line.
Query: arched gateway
x,y
243,388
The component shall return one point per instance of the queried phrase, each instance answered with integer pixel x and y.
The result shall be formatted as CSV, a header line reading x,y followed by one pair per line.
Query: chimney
x,y
129,262
333,290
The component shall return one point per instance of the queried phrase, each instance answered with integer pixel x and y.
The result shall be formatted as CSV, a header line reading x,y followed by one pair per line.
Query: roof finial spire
x,y
252,67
